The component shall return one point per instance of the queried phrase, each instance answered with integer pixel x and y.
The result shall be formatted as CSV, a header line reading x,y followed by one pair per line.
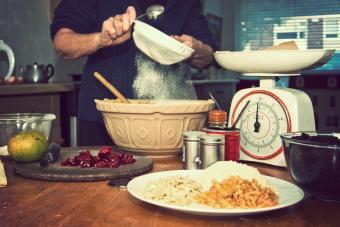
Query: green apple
x,y
27,146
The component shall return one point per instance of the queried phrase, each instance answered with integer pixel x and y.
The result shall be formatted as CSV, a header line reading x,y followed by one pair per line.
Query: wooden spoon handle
x,y
110,87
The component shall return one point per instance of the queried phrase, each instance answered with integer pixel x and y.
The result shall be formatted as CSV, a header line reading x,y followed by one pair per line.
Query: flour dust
x,y
160,82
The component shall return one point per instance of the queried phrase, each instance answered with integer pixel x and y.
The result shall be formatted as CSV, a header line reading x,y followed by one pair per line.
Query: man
x,y
101,30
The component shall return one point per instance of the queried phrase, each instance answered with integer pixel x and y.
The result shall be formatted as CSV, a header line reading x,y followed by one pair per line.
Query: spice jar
x,y
211,150
191,142
217,119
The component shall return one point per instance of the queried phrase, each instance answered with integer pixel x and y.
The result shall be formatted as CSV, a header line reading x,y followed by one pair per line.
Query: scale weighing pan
x,y
158,45
272,111
272,62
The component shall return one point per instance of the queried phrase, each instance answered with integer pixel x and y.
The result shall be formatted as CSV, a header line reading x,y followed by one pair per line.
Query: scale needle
x,y
257,124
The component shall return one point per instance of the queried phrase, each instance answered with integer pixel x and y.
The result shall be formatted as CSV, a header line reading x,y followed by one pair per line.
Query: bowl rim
x,y
325,51
287,137
161,107
140,25
25,117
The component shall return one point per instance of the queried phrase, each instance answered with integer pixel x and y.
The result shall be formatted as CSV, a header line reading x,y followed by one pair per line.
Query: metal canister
x,y
191,143
232,142
211,150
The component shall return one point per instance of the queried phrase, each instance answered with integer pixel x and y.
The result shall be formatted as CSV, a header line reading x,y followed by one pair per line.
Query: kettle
x,y
37,73
11,60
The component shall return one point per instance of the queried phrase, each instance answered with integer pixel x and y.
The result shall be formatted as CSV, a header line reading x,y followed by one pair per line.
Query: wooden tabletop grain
x,y
26,202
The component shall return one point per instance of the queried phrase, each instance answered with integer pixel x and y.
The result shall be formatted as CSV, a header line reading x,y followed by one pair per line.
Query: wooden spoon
x,y
109,86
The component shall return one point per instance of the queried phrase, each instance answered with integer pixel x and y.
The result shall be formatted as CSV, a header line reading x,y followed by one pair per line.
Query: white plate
x,y
158,45
289,194
272,61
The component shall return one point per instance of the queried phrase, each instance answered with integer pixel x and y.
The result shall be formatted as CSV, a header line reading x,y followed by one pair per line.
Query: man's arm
x,y
115,30
71,45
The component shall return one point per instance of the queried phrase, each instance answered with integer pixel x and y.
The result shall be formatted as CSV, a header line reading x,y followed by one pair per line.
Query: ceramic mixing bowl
x,y
154,128
313,160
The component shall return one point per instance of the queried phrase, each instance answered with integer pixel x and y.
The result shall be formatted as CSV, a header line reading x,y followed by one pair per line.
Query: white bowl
x,y
158,45
154,128
272,61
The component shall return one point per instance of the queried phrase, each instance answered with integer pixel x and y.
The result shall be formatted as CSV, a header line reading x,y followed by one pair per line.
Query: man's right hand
x,y
117,29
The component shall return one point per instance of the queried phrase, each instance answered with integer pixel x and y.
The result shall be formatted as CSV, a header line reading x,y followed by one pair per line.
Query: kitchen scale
x,y
272,110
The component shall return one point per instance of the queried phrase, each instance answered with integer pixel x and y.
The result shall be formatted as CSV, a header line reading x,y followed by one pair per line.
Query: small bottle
x,y
191,142
217,119
212,149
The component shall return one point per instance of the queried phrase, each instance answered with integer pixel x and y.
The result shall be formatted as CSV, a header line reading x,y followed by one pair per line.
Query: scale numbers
x,y
261,124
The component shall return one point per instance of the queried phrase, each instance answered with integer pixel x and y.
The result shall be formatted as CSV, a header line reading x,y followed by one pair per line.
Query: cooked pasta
x,y
177,190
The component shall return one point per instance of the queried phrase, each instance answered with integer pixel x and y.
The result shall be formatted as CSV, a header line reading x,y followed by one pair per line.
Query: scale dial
x,y
262,123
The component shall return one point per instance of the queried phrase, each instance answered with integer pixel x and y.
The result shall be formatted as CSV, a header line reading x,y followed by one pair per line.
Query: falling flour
x,y
160,82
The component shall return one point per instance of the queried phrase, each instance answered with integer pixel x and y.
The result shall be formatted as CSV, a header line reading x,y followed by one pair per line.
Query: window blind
x,y
312,24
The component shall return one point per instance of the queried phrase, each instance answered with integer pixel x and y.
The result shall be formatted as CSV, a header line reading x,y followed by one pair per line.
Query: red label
x,y
232,143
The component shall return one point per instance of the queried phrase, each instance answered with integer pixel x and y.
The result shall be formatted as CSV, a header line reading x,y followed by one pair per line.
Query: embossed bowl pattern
x,y
153,128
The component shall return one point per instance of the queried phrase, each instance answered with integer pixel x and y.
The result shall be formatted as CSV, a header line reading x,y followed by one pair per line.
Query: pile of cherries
x,y
107,158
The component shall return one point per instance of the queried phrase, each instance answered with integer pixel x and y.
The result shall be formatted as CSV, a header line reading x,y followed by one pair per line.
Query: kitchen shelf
x,y
57,98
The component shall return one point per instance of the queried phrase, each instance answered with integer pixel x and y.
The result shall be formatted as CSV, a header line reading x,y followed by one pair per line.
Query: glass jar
x,y
217,119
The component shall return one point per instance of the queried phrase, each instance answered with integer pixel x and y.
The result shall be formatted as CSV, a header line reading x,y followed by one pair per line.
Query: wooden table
x,y
26,202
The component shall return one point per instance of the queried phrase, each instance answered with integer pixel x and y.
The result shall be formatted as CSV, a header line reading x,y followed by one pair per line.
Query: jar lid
x,y
193,135
212,138
217,116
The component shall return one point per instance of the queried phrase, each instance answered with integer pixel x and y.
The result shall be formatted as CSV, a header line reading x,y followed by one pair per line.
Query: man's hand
x,y
117,29
190,42
203,54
